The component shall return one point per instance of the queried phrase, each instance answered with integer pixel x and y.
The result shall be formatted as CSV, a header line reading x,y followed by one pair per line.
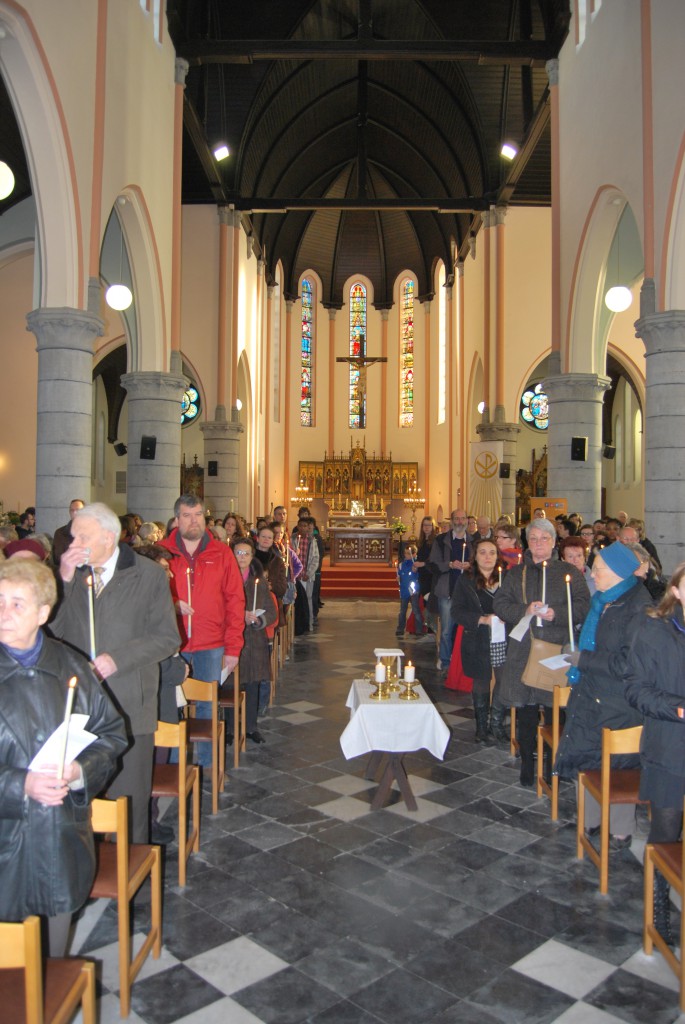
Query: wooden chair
x,y
231,696
669,860
122,867
548,735
35,993
608,786
208,730
179,781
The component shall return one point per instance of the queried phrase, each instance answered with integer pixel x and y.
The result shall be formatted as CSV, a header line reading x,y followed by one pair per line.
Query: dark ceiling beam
x,y
444,205
196,134
528,147
529,52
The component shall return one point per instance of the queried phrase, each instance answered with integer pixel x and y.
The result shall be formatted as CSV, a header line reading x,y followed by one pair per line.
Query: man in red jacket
x,y
208,594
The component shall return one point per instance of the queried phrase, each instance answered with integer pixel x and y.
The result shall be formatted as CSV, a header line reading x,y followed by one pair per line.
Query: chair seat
x,y
199,729
165,779
105,883
668,857
624,785
60,977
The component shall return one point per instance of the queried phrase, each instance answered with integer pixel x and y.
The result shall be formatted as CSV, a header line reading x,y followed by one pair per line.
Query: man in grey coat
x,y
449,557
134,629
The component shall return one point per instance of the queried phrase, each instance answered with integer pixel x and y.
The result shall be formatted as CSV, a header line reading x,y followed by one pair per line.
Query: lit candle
x,y
409,673
519,558
570,612
231,504
90,583
380,672
190,605
254,599
67,716
499,570
544,581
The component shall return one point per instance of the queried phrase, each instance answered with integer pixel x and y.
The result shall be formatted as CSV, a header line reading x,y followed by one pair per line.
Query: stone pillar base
x,y
222,445
154,410
508,433
664,338
575,410
65,340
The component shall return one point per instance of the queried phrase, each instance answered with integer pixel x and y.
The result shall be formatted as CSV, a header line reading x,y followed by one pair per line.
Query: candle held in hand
x,y
570,612
71,691
254,599
90,583
190,606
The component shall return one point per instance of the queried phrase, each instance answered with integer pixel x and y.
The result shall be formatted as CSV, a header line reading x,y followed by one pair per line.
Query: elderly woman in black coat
x,y
47,855
598,699
537,587
655,686
472,608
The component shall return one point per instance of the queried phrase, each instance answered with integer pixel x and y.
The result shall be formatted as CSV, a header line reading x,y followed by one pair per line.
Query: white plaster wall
x,y
200,300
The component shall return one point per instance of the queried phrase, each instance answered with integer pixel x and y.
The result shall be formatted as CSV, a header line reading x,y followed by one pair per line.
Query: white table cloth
x,y
392,725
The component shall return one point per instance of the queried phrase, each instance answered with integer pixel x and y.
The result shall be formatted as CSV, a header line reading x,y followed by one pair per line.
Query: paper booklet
x,y
78,739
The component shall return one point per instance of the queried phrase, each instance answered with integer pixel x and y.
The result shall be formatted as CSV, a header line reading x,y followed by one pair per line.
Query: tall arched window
x,y
276,381
306,355
442,345
357,348
407,354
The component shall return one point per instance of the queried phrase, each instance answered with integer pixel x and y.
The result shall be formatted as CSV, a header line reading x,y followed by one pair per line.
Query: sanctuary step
x,y
359,580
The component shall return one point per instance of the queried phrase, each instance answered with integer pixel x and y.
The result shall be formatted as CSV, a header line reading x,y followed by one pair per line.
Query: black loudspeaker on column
x,y
579,449
609,451
504,470
148,447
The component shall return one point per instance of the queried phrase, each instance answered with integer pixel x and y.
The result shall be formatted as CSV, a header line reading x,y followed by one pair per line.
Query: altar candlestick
x,y
570,612
190,606
90,583
67,716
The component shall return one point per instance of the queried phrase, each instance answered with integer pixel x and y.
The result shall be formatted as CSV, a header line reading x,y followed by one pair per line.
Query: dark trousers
x,y
135,781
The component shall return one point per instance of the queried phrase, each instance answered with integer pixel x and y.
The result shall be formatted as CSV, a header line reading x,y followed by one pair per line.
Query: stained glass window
x,y
190,405
306,413
407,355
357,348
534,408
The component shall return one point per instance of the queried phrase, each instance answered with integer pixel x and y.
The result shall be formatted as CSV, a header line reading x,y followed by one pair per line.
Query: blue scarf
x,y
600,599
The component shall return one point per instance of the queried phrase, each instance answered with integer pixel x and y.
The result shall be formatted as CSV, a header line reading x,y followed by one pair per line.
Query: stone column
x,y
575,410
222,445
508,433
664,338
65,340
154,410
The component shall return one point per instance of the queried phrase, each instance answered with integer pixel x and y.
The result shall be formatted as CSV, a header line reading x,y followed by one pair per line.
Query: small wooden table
x,y
357,544
390,729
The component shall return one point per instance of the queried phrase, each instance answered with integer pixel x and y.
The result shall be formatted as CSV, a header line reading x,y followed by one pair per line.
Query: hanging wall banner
x,y
485,486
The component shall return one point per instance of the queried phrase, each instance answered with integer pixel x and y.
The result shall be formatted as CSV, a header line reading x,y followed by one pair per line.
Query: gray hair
x,y
545,525
102,515
187,500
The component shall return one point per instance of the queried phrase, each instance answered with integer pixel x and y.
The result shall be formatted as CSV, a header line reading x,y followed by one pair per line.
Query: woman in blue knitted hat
x,y
598,700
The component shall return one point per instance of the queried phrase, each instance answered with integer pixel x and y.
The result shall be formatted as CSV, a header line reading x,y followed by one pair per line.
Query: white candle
x,y
544,581
190,606
519,558
499,570
254,599
409,673
67,716
90,583
570,612
231,504
380,672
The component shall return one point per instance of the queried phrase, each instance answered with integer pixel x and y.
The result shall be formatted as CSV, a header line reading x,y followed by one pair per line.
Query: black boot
x,y
481,707
527,719
500,734
662,908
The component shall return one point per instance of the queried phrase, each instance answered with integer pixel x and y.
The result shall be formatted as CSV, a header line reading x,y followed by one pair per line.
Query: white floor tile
x,y
302,705
110,963
653,968
346,808
426,810
563,968
235,965
583,1013
345,784
299,718
223,1011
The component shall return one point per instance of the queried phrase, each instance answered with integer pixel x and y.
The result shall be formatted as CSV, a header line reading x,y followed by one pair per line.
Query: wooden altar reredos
x,y
372,480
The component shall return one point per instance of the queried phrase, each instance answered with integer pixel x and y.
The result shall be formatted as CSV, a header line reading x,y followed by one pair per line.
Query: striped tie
x,y
98,584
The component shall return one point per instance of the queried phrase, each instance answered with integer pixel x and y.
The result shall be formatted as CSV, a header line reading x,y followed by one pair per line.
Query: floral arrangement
x,y
397,526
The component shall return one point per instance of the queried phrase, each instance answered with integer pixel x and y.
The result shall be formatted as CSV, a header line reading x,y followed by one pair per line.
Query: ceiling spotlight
x,y
618,298
221,151
118,296
6,180
508,150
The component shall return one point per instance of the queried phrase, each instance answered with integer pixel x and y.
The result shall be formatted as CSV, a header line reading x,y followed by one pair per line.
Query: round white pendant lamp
x,y
118,296
6,180
618,298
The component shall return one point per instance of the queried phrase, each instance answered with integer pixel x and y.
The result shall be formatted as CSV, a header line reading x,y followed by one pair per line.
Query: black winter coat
x,y
655,686
599,700
469,602
47,857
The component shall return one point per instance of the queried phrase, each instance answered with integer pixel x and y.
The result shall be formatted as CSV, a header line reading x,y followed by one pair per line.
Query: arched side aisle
x,y
303,905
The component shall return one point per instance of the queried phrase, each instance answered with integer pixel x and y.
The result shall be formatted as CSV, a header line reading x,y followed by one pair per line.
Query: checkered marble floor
x,y
302,905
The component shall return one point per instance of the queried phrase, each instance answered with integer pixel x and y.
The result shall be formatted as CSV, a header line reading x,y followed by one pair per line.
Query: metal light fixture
x,y
618,298
119,296
221,151
509,150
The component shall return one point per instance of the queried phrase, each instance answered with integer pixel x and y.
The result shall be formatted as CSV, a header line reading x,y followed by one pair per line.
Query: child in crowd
x,y
408,579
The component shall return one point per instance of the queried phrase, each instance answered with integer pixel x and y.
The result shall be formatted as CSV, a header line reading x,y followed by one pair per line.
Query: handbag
x,y
290,592
534,674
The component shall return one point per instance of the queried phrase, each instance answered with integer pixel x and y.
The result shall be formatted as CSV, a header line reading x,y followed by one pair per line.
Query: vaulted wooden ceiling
x,y
365,135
